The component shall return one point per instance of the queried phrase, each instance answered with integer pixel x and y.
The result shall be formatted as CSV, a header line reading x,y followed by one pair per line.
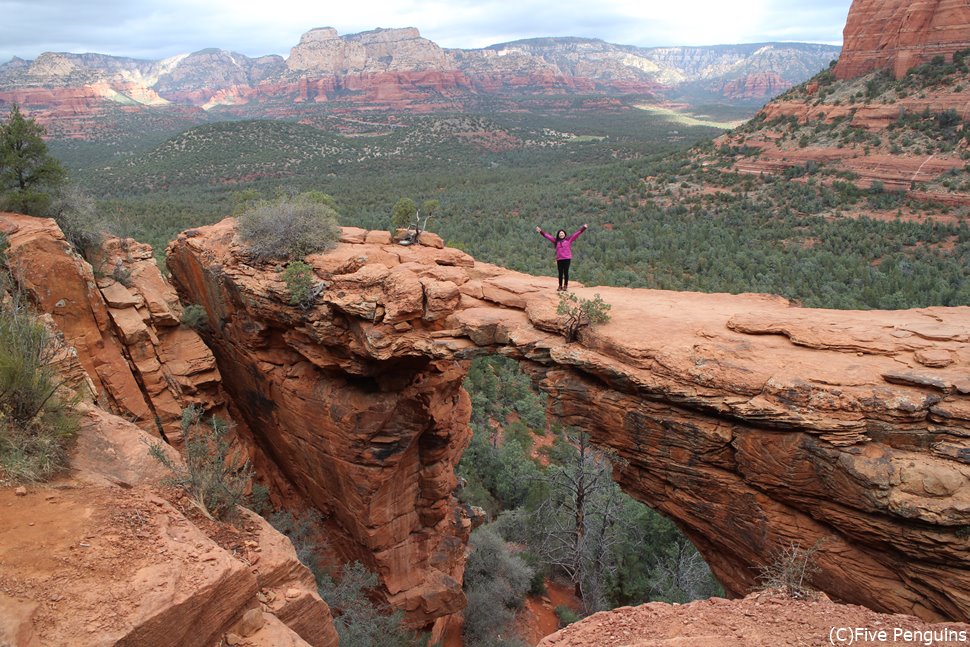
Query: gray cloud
x,y
160,28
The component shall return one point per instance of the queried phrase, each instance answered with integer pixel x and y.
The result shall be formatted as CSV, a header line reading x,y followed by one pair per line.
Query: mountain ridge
x,y
397,69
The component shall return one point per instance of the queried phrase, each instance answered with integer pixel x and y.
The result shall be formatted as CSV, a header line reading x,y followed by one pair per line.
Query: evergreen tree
x,y
27,170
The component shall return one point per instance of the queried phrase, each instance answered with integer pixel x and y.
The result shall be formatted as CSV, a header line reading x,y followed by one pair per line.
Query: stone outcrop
x,y
764,618
897,35
124,324
99,557
750,422
755,86
831,128
371,442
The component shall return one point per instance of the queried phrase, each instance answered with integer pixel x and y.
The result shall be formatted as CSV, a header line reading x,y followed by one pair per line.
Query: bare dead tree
x,y
578,526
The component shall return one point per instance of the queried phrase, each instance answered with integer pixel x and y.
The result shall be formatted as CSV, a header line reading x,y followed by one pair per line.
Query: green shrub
x,y
537,585
214,479
300,283
76,213
402,214
122,274
288,228
35,422
576,313
359,621
194,316
496,583
259,500
566,615
299,529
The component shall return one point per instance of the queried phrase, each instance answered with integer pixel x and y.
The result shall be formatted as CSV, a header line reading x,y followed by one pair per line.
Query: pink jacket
x,y
564,249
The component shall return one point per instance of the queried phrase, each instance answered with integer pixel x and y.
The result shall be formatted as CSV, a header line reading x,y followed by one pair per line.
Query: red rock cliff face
x,y
750,422
896,35
369,433
124,323
150,571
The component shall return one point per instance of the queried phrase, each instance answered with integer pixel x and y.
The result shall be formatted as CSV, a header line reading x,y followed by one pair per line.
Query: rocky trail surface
x,y
764,619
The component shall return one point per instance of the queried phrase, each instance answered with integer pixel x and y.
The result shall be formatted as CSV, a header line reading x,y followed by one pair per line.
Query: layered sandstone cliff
x,y
323,51
898,35
369,434
856,122
107,553
124,321
752,423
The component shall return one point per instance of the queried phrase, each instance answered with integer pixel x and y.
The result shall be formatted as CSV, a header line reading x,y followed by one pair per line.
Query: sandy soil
x,y
538,618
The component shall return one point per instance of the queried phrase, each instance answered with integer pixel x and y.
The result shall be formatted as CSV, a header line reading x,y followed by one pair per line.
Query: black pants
x,y
563,266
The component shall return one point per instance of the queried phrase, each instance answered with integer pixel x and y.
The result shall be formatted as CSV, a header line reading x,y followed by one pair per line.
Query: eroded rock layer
x,y
900,34
100,557
369,436
764,618
749,421
94,96
123,320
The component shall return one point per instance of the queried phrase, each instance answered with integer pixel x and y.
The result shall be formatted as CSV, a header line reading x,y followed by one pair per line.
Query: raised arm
x,y
548,237
578,232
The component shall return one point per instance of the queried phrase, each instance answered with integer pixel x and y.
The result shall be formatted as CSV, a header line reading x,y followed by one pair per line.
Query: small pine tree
x,y
403,213
27,170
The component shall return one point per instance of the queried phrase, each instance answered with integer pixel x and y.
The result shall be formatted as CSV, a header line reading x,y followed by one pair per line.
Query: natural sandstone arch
x,y
750,422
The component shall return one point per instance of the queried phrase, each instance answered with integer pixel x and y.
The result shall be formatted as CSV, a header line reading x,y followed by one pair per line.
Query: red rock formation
x,y
78,95
755,86
125,324
898,34
101,558
897,169
370,437
760,619
750,422
324,52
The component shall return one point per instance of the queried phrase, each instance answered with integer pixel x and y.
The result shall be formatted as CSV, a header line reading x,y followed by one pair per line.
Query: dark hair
x,y
564,236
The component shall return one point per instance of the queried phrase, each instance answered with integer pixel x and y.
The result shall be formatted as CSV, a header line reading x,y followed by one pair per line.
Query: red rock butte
x,y
750,422
898,35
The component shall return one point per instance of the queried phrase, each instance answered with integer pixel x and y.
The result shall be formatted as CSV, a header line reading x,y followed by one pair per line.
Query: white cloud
x,y
160,28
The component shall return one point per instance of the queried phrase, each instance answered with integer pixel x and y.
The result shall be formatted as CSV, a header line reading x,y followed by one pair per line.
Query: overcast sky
x,y
157,29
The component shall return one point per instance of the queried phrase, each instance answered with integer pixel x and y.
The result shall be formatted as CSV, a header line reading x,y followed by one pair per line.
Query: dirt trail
x,y
538,619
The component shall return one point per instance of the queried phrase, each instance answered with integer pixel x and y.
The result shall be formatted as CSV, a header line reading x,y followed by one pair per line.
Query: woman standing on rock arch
x,y
563,245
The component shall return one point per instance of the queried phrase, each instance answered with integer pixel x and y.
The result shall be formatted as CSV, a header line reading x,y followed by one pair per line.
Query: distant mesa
x,y
380,50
